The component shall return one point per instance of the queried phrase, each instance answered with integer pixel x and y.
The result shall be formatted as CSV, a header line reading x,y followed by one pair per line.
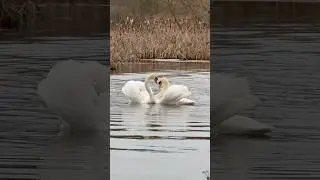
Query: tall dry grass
x,y
14,14
159,36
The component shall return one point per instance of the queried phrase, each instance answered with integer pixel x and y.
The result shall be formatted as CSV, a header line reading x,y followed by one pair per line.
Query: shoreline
x,y
173,61
146,65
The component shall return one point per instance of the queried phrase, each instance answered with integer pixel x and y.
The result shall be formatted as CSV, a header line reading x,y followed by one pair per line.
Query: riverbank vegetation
x,y
16,14
159,29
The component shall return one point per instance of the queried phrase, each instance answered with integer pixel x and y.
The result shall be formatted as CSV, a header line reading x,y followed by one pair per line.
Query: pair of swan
x,y
76,92
231,96
139,92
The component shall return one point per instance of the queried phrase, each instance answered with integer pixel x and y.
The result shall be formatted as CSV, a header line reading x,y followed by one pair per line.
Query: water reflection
x,y
75,156
167,135
280,61
157,119
31,146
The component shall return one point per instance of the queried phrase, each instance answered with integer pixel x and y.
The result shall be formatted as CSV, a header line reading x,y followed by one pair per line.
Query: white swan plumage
x,y
243,125
231,96
74,91
172,94
138,92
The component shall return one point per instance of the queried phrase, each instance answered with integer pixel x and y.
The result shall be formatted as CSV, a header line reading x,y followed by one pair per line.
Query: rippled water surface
x,y
160,142
283,67
31,146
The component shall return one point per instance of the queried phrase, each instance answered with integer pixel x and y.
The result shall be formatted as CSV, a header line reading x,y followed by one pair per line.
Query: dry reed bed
x,y
184,38
16,13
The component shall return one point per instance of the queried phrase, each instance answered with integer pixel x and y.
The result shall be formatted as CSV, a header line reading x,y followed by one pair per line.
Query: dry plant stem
x,y
171,8
22,12
159,38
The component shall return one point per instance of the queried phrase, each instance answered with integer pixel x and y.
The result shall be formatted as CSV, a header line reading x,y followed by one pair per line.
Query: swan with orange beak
x,y
172,94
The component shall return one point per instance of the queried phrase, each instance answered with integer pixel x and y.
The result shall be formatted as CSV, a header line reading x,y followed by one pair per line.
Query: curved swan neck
x,y
166,85
148,88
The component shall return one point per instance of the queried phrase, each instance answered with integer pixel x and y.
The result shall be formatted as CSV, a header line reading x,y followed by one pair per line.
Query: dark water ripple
x,y
31,146
160,138
281,63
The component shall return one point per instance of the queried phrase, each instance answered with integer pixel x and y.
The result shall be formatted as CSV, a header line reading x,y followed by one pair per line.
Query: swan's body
x,y
237,125
74,90
172,94
136,92
140,92
231,97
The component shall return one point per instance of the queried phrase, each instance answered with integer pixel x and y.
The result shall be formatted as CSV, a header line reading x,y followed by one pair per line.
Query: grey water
x,y
31,145
281,62
160,142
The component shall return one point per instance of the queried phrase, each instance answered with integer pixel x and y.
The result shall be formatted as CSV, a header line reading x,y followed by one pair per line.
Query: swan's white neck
x,y
164,88
149,90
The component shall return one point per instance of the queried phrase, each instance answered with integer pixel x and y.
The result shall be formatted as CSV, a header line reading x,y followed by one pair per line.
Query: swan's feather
x,y
186,101
226,87
71,90
238,125
136,92
231,96
175,93
232,107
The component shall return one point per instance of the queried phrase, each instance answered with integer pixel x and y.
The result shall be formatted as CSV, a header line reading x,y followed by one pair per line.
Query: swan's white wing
x,y
232,107
87,71
226,87
135,91
186,101
243,125
230,96
68,90
97,74
175,93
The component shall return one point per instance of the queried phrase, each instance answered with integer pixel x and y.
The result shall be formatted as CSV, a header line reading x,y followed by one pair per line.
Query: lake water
x,y
155,142
31,145
160,142
281,61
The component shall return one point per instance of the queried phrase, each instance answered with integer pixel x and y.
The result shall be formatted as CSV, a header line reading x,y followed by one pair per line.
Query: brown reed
x,y
14,14
170,36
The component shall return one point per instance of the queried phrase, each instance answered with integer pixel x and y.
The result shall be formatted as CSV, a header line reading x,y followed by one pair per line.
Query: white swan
x,y
139,92
75,90
172,94
230,97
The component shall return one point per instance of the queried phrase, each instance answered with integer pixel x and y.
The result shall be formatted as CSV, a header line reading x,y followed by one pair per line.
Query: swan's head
x,y
152,76
162,82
